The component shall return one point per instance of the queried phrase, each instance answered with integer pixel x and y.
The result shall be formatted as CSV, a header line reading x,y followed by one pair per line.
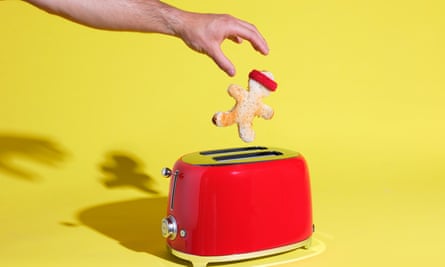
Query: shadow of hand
x,y
31,148
124,171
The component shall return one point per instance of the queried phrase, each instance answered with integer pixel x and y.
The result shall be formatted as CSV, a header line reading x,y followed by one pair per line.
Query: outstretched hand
x,y
206,32
201,32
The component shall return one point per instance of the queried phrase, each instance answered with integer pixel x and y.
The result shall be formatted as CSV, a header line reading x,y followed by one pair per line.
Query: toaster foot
x,y
202,261
308,243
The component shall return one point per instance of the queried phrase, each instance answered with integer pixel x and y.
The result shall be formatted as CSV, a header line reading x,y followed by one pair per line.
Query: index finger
x,y
250,33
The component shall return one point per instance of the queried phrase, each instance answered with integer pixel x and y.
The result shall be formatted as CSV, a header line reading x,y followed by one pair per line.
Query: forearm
x,y
122,15
201,32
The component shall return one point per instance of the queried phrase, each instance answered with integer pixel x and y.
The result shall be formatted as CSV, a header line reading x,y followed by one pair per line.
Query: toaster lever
x,y
166,172
172,197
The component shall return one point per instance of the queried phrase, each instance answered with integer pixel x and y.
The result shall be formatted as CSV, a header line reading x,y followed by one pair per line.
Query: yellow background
x,y
361,95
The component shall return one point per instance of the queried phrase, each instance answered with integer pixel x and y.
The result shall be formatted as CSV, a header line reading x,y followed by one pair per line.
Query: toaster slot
x,y
231,150
247,155
237,155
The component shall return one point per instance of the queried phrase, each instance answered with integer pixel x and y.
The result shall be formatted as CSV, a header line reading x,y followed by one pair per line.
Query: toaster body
x,y
240,203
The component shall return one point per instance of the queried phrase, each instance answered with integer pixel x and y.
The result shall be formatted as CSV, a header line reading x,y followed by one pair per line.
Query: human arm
x,y
203,33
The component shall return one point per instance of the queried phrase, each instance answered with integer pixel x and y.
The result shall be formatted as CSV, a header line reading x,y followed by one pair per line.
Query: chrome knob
x,y
166,172
169,227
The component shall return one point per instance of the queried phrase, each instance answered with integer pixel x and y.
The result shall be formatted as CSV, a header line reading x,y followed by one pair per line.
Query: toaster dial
x,y
169,227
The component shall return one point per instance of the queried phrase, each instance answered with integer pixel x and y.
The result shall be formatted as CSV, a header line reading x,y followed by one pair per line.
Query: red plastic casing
x,y
240,208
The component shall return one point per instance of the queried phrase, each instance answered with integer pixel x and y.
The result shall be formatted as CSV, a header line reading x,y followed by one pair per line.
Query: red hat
x,y
263,79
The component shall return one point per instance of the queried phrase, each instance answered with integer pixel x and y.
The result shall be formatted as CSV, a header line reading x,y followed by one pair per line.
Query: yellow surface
x,y
89,118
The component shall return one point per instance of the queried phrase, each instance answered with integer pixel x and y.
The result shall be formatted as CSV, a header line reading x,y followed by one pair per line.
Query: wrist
x,y
173,19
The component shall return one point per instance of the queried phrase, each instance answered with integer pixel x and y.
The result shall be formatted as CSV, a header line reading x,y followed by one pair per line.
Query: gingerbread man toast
x,y
248,104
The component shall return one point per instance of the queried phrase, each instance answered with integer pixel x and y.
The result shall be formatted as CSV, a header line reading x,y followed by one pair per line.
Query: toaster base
x,y
202,261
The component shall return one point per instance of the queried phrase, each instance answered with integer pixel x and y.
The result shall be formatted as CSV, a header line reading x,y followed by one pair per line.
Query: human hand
x,y
201,32
205,33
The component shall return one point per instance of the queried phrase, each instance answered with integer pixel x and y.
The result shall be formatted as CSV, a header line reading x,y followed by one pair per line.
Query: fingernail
x,y
231,72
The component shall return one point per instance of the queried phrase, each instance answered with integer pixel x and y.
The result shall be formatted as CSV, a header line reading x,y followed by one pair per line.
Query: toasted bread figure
x,y
248,104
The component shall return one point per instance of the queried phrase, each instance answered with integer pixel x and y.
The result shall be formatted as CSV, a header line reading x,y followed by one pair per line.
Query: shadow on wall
x,y
19,147
124,170
135,224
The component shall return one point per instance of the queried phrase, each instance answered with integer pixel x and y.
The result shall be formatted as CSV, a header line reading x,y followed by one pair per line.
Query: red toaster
x,y
237,203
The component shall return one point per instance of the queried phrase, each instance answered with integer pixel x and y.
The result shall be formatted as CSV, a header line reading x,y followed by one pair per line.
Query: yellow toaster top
x,y
238,155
